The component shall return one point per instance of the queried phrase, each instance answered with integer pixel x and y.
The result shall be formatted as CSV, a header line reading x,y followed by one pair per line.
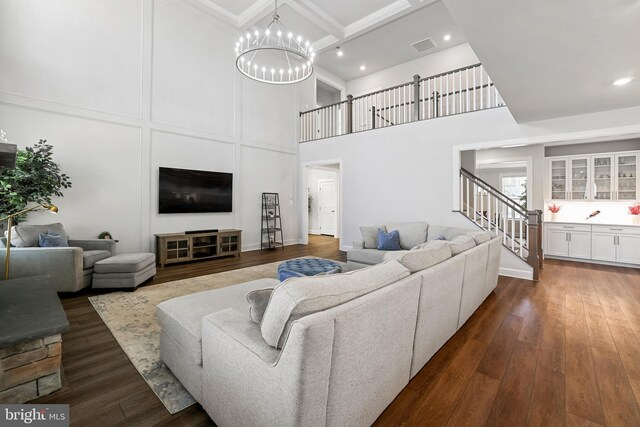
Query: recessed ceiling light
x,y
339,53
362,68
622,81
447,37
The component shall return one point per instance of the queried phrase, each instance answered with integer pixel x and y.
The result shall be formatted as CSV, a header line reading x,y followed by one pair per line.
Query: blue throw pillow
x,y
388,241
52,240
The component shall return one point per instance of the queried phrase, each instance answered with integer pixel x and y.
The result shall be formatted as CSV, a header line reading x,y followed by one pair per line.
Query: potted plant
x,y
36,178
105,235
634,211
554,209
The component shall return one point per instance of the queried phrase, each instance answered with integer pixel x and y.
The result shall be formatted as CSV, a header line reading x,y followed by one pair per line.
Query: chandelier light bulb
x,y
279,33
248,36
256,33
290,35
299,39
267,32
307,43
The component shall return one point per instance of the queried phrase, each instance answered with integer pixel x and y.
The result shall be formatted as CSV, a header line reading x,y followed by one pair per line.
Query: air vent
x,y
423,45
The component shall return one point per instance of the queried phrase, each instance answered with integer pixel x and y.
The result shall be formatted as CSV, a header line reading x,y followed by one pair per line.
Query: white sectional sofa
x,y
349,342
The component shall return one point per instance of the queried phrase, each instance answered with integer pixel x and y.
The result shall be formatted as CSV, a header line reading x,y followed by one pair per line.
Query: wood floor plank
x,y
512,403
547,399
618,401
476,402
576,421
498,354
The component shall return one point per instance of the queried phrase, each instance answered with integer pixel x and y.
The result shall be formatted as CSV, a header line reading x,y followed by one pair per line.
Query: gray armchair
x,y
69,269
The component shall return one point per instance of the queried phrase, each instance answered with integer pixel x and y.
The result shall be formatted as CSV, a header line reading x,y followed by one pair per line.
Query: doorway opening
x,y
323,199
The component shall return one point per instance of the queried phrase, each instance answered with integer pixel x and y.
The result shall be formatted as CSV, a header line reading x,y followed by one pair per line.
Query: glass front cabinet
x,y
608,176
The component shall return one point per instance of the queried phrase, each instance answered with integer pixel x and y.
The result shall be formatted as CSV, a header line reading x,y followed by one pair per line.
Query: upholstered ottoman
x,y
307,267
124,270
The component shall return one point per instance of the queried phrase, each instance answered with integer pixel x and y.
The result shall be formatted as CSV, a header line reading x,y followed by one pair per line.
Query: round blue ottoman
x,y
307,267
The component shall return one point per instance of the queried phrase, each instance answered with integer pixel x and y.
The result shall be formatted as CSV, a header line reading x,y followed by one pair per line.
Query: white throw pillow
x,y
480,237
370,235
298,297
460,244
411,233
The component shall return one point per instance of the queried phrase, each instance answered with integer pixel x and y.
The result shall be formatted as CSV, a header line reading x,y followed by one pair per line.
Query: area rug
x,y
131,318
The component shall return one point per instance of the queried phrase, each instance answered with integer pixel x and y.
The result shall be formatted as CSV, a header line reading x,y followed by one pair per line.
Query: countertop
x,y
594,222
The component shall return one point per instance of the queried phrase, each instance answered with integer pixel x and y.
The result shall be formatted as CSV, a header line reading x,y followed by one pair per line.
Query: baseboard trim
x,y
518,274
256,246
316,232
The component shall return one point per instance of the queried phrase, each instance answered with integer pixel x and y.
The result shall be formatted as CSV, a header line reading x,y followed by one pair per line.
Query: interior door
x,y
327,206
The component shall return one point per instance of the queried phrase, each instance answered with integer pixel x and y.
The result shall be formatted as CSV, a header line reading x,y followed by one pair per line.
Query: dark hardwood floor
x,y
563,351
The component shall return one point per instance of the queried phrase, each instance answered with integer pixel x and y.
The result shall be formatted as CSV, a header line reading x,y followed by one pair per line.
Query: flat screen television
x,y
192,191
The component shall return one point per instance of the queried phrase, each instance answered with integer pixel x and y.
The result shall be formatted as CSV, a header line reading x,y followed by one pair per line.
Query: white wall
x,y
122,87
313,176
445,60
409,172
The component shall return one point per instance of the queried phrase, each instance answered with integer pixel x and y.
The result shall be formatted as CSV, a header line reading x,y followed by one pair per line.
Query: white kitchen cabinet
x,y
608,176
568,241
616,244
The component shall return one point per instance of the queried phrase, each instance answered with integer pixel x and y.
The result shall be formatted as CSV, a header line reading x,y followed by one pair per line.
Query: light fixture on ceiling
x,y
447,37
362,68
622,81
275,55
339,52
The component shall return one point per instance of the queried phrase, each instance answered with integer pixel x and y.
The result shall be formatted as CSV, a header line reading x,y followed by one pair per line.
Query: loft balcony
x,y
459,91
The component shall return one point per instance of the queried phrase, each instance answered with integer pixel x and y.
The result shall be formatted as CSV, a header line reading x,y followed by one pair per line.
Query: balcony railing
x,y
459,91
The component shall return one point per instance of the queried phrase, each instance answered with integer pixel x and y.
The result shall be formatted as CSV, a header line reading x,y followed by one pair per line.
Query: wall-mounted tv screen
x,y
192,191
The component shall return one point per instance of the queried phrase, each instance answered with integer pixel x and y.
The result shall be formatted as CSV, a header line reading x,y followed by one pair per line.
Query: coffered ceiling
x,y
375,33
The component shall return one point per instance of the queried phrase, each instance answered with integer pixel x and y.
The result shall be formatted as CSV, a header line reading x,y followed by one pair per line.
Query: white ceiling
x,y
377,33
551,58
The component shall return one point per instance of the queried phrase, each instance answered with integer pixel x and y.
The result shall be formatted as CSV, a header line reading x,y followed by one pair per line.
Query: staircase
x,y
491,210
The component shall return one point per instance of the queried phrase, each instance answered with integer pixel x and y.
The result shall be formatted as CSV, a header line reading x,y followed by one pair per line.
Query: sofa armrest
x,y
95,245
286,387
358,244
63,266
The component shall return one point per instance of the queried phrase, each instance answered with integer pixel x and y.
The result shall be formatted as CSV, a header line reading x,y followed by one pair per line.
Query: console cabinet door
x,y
557,243
603,246
628,249
580,244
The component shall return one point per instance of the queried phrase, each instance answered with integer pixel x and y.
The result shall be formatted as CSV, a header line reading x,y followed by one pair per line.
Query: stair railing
x,y
492,210
459,91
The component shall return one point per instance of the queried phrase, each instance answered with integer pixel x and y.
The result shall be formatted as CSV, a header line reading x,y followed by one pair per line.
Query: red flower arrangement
x,y
634,209
553,208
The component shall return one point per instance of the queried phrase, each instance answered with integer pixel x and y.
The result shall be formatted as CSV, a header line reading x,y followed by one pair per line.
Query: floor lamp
x,y
9,219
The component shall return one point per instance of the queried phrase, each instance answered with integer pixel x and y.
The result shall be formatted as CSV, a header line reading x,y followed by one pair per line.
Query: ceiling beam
x,y
318,16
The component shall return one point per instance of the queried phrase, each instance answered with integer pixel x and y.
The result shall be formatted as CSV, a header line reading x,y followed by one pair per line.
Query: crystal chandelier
x,y
276,55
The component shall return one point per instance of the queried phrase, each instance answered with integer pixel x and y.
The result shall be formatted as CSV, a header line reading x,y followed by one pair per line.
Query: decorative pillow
x,y
28,236
420,259
411,233
258,301
480,237
449,233
300,296
388,241
52,240
370,235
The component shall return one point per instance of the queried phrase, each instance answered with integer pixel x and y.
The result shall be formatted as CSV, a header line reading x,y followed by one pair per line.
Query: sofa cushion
x,y
300,296
388,241
52,240
480,237
449,233
421,259
411,233
258,301
370,235
366,256
460,244
89,258
26,236
181,317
